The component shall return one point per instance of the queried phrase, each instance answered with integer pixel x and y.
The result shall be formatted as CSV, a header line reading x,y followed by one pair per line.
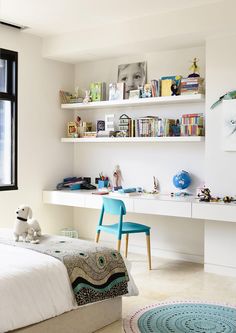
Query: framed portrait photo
x,y
134,76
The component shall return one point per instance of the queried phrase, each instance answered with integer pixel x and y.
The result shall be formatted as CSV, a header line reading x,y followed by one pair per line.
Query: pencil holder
x,y
102,183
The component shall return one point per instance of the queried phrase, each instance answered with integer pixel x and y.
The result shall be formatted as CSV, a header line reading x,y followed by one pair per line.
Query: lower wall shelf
x,y
137,139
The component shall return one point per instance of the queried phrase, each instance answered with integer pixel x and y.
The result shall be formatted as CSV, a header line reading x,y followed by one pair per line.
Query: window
x,y
8,120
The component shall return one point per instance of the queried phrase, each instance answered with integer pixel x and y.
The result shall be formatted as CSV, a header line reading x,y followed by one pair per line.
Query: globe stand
x,y
181,194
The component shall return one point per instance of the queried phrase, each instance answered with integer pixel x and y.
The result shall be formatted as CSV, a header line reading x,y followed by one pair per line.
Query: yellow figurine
x,y
194,68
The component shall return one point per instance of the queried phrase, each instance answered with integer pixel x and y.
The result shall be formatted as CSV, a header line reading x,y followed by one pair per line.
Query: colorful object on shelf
x,y
194,68
229,95
192,85
183,316
170,85
192,124
97,91
182,180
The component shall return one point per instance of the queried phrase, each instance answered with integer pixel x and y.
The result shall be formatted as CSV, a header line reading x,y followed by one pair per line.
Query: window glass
x,y
5,143
3,75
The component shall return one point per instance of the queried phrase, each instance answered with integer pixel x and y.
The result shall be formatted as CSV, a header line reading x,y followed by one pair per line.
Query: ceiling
x,y
54,17
75,31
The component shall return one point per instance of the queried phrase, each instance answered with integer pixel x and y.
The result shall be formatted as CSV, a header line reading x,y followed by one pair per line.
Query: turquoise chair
x,y
117,207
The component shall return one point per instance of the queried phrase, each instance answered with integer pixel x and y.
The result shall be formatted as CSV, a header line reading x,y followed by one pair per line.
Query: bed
x,y
36,293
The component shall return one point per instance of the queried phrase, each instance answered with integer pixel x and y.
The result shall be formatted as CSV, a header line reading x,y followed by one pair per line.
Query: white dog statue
x,y
24,223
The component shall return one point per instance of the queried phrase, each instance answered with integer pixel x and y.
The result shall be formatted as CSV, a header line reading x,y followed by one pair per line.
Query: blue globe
x,y
182,180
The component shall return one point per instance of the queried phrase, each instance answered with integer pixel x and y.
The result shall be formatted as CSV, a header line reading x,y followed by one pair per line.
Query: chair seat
x,y
127,228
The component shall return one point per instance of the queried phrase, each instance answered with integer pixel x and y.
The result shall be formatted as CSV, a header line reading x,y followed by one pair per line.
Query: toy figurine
x,y
87,97
117,178
155,186
194,68
228,199
174,89
205,195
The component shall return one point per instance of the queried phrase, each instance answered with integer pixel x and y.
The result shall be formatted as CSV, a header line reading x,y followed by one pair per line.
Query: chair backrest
x,y
114,206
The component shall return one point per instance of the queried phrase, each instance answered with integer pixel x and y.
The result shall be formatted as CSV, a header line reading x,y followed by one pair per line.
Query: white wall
x,y
43,160
140,162
220,78
220,237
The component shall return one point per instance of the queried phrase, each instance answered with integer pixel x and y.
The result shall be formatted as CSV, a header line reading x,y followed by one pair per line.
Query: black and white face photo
x,y
133,75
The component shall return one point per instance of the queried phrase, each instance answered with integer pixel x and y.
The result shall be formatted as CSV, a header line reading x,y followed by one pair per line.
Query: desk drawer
x,y
162,207
63,198
214,211
93,201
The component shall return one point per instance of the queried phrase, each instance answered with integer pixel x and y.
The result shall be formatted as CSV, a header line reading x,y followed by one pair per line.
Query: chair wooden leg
x,y
149,251
97,237
126,245
118,245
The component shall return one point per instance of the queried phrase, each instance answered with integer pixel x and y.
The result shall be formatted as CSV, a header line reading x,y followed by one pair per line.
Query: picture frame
x,y
134,94
72,129
134,75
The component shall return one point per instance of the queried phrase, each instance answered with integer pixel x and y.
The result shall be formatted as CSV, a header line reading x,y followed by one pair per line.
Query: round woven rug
x,y
182,317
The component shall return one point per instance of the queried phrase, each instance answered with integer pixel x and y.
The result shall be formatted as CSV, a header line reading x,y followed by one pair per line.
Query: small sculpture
x,y
174,89
117,178
155,186
205,195
228,199
87,97
194,68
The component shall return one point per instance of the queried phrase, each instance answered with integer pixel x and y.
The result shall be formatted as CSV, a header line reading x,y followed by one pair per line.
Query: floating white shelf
x,y
197,98
138,139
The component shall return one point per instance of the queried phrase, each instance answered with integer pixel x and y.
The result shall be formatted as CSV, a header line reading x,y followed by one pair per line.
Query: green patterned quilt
x,y
96,273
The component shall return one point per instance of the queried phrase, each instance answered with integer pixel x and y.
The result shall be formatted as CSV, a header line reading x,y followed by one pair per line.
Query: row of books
x,y
192,85
165,86
192,119
192,125
151,126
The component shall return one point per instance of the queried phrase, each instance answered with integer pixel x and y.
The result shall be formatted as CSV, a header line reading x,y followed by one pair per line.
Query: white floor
x,y
173,280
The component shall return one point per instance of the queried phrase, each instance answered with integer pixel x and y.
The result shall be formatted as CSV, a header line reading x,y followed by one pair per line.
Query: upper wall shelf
x,y
137,139
197,98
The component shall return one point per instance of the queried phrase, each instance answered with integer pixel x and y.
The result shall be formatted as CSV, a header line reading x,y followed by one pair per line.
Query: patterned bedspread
x,y
96,273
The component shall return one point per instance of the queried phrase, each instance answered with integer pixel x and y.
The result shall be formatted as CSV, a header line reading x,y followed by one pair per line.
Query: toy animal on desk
x,y
228,199
25,227
205,195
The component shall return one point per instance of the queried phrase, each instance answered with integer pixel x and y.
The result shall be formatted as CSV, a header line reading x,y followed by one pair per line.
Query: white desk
x,y
147,204
219,238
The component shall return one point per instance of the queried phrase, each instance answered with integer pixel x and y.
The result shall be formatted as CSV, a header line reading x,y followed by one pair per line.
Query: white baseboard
x,y
161,253
168,254
220,270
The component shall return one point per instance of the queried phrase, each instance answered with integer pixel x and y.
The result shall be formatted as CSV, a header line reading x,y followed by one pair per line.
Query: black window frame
x,y
11,95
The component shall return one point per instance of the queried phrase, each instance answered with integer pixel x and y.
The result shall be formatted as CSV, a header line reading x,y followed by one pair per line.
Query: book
x,y
155,88
116,91
167,82
192,85
166,87
97,91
